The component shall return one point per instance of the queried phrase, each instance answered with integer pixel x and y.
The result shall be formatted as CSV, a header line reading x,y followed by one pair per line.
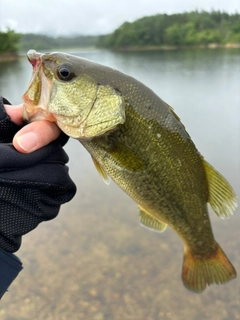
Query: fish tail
x,y
199,272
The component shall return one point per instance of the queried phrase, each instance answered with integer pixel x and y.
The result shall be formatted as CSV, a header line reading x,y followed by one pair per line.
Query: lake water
x,y
94,261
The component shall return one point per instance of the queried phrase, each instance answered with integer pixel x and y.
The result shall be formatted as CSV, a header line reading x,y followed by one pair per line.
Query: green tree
x,y
174,35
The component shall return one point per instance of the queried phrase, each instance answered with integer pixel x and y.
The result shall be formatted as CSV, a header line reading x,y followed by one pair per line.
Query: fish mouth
x,y
37,96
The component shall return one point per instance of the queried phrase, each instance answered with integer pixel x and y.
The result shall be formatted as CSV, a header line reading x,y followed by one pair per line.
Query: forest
x,y
179,30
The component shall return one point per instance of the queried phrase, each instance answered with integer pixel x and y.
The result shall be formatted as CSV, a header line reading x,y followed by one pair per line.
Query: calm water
x,y
95,261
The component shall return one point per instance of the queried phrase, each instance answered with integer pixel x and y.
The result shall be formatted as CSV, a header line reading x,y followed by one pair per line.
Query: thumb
x,y
35,135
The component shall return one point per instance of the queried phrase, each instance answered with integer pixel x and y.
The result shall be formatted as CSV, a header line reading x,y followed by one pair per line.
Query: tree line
x,y
182,29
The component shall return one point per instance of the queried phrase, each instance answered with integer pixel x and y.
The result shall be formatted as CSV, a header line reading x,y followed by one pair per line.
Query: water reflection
x,y
94,261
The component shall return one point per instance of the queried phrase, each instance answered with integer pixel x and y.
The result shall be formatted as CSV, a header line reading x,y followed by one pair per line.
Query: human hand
x,y
33,185
34,135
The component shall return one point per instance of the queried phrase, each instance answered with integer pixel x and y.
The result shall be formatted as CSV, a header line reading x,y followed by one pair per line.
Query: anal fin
x,y
149,221
221,195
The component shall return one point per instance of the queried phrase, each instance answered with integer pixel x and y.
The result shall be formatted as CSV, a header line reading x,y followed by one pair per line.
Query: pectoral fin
x,y
150,222
221,196
126,157
101,171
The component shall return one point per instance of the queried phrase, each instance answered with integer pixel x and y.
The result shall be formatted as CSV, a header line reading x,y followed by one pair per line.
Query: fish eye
x,y
65,72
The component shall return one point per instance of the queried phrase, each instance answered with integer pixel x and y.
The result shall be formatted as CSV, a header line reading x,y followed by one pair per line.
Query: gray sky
x,y
63,17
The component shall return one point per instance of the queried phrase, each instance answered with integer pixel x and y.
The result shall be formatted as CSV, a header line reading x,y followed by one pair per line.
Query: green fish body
x,y
137,140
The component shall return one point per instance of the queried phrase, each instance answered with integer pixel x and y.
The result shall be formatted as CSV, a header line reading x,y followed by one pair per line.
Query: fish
x,y
138,141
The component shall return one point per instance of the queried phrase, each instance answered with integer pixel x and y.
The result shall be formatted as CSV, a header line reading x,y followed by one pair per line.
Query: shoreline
x,y
166,47
9,56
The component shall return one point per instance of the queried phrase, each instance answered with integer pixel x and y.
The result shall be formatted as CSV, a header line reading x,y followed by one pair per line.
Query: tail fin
x,y
198,272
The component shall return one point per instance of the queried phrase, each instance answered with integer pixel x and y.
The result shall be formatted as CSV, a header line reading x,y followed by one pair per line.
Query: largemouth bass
x,y
137,140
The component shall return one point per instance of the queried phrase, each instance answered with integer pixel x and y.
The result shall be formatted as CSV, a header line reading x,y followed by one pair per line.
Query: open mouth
x,y
36,98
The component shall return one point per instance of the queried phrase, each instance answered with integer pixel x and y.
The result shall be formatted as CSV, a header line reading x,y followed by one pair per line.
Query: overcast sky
x,y
63,17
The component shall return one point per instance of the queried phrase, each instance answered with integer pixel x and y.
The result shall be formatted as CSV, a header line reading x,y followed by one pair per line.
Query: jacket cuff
x,y
10,266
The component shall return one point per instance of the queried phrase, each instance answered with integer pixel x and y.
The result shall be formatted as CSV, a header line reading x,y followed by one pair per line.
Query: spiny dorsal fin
x,y
101,171
221,196
172,110
150,222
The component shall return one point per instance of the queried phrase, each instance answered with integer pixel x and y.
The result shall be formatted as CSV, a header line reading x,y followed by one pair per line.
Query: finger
x,y
35,135
15,113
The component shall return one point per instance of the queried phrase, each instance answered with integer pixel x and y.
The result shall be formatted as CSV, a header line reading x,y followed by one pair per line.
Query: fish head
x,y
63,89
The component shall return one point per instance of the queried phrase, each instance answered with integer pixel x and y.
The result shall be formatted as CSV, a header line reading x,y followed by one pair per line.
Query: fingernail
x,y
28,141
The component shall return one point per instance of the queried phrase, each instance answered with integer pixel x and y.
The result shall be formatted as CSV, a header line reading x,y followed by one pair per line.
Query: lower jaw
x,y
37,115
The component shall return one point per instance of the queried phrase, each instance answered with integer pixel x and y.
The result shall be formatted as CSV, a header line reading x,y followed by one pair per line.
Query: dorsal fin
x,y
173,112
221,196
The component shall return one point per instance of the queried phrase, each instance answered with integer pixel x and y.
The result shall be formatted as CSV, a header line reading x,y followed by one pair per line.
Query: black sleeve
x,y
10,266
